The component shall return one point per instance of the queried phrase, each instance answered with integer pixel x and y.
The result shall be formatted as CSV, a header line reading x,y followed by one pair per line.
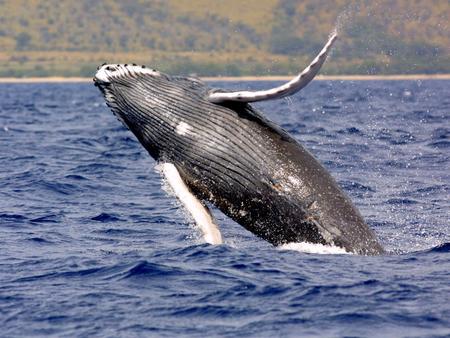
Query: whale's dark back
x,y
233,157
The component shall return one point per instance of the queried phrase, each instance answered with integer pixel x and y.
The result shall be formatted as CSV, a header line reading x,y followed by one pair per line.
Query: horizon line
x,y
360,77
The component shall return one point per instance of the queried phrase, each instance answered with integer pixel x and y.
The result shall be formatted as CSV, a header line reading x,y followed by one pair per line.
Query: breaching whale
x,y
214,147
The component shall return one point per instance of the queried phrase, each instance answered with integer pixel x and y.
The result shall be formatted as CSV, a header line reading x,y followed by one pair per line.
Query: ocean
x,y
92,244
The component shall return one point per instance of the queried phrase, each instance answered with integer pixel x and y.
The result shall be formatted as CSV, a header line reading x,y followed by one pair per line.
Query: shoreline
x,y
59,79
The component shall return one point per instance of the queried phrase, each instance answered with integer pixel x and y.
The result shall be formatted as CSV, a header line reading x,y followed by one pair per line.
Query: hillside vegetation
x,y
253,37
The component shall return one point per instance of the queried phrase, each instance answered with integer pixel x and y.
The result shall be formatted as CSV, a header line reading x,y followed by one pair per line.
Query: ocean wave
x,y
441,248
93,246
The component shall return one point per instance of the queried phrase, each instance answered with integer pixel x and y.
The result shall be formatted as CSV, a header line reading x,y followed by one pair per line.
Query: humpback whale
x,y
216,149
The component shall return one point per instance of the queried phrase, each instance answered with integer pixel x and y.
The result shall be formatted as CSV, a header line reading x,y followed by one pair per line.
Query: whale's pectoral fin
x,y
199,212
289,88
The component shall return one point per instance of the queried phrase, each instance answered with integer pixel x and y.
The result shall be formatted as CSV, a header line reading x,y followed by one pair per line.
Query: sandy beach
x,y
247,78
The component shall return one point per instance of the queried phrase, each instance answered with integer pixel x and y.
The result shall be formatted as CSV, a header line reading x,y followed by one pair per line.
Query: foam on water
x,y
314,248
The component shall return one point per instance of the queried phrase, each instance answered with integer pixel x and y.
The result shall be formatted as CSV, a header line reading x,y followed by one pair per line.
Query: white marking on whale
x,y
106,72
182,128
198,211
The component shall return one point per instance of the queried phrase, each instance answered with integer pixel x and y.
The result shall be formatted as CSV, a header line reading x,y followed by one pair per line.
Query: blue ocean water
x,y
92,245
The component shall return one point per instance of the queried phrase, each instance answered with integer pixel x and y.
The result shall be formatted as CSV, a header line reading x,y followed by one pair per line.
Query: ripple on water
x,y
92,246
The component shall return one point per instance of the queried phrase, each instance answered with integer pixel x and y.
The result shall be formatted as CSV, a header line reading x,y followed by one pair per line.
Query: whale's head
x,y
156,107
108,73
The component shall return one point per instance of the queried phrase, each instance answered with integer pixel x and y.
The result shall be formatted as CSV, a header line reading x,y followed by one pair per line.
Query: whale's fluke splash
x,y
293,86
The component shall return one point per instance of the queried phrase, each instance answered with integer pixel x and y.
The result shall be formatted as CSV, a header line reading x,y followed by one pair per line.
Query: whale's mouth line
x,y
99,83
102,85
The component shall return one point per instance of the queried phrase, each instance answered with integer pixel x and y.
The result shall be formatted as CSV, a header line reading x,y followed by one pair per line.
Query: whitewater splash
x,y
314,248
344,19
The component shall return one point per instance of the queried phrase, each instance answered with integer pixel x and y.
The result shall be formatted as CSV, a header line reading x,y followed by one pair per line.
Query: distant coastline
x,y
58,79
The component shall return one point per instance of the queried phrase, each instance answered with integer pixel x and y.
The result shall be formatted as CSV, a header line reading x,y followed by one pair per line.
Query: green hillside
x,y
254,37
